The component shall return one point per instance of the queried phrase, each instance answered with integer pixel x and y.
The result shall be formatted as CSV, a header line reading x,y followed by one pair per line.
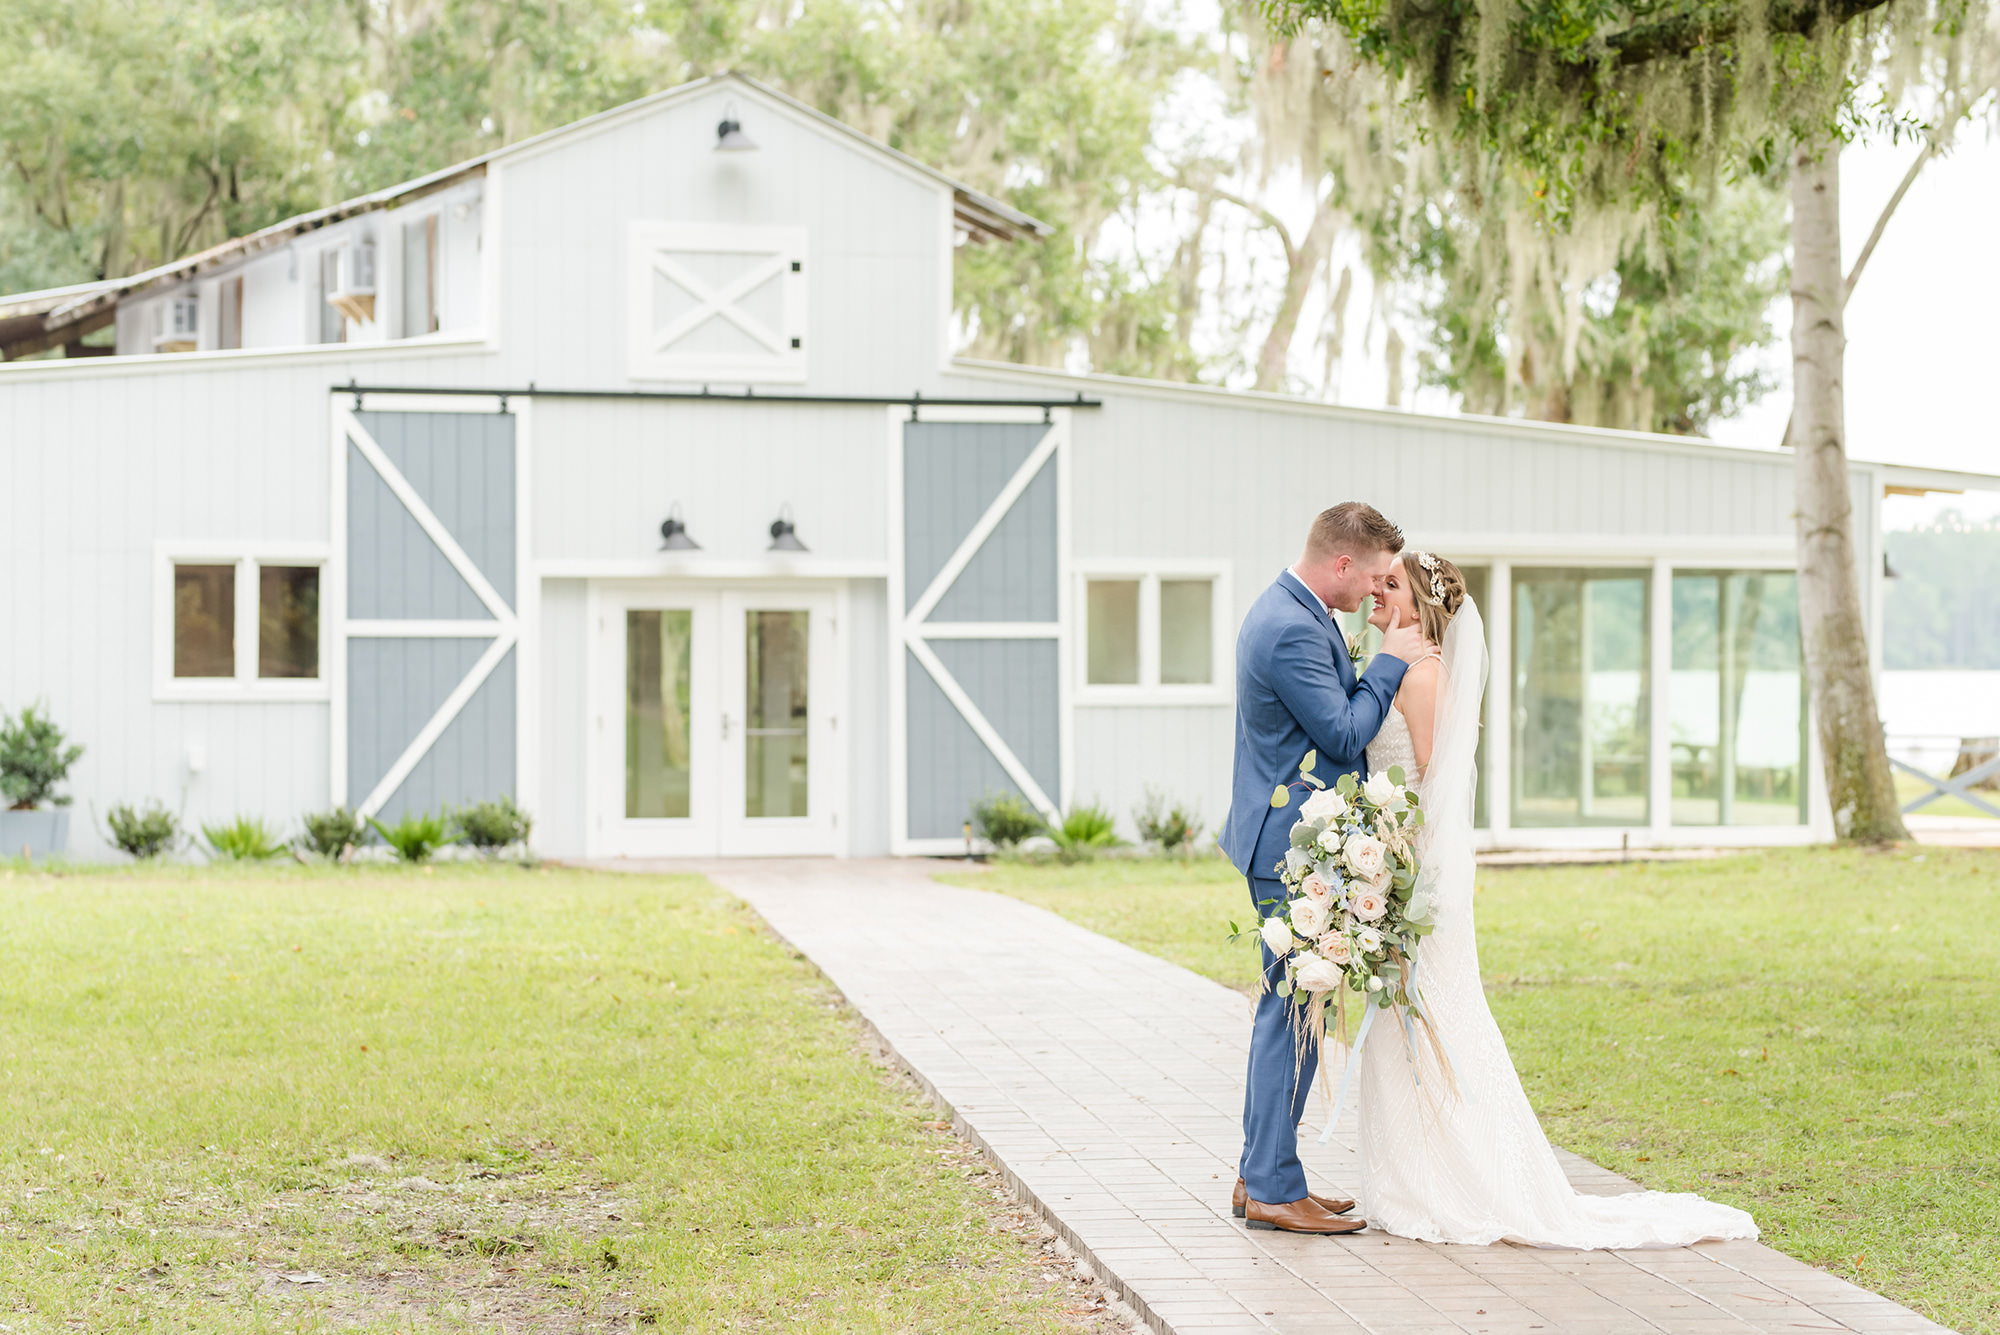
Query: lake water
x,y
1925,713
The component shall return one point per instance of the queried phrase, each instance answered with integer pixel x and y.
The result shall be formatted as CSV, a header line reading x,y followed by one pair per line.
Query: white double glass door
x,y
713,722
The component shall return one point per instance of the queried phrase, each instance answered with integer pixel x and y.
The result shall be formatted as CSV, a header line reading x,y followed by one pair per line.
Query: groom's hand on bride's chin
x,y
1400,641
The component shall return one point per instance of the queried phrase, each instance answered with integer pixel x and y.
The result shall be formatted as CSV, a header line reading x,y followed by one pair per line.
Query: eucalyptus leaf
x,y
1281,796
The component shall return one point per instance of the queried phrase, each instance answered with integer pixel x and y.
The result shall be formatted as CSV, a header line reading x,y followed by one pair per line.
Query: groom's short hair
x,y
1353,528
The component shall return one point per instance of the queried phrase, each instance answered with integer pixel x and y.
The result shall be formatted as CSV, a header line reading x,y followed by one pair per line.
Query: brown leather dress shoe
x,y
1330,1204
1300,1216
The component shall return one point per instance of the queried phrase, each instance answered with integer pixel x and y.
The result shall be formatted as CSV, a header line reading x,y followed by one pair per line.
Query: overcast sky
x,y
1923,327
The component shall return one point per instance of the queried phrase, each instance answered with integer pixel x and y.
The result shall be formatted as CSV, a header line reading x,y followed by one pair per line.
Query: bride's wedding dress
x,y
1475,1167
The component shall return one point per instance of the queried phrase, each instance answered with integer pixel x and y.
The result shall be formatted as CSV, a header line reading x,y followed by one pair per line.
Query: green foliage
x,y
331,833
1171,827
245,839
492,826
1944,608
1005,819
417,835
33,758
143,832
1658,342
1085,831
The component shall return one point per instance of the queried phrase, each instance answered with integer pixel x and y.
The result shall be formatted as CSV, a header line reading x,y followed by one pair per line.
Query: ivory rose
x,y
1370,905
1277,935
1318,975
1329,839
1315,887
1380,789
1326,804
1310,917
1367,855
1336,947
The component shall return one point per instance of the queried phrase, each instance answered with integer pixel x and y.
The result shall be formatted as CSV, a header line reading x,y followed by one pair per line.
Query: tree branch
x,y
1690,31
1263,215
1882,220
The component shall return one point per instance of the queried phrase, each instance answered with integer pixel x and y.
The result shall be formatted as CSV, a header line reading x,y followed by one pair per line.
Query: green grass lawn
x,y
468,1098
1811,1034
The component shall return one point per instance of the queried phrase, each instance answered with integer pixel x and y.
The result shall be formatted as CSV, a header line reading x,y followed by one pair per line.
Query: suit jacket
x,y
1295,692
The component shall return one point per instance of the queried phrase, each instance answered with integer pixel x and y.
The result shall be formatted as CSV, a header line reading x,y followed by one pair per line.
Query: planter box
x,y
40,834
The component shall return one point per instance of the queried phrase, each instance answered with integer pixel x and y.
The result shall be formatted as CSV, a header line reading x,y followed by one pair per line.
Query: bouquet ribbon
x,y
1348,1072
1353,1066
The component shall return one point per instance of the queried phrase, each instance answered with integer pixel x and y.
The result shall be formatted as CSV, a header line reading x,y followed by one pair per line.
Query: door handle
x,y
725,726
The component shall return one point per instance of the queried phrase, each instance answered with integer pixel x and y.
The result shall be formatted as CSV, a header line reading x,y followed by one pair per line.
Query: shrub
x,y
1084,831
331,833
33,760
1004,820
492,826
143,834
1174,828
416,836
245,839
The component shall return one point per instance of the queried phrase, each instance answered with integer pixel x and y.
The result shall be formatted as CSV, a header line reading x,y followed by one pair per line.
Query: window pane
x,y
1738,708
1580,697
204,621
332,324
1111,632
288,621
776,698
419,277
1187,631
658,654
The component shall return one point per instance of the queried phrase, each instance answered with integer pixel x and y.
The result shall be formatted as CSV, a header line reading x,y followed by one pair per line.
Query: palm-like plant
x,y
417,835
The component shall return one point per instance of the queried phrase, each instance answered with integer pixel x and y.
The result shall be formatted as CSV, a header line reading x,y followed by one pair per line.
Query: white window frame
x,y
1150,690
248,559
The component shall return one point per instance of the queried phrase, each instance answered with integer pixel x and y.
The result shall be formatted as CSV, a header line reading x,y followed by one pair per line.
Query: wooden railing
x,y
1978,762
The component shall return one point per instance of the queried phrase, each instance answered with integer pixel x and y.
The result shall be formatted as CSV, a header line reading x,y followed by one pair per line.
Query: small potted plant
x,y
33,761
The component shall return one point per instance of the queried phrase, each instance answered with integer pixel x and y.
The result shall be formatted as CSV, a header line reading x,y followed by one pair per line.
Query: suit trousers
x,y
1282,1064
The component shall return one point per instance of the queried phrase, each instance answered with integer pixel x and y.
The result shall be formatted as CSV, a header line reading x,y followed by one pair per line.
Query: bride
x,y
1471,1165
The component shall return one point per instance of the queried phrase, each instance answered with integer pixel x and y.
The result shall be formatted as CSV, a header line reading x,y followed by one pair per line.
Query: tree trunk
x,y
1859,783
1303,265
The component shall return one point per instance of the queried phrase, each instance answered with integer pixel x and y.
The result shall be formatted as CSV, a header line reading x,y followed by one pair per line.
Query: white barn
x,y
368,509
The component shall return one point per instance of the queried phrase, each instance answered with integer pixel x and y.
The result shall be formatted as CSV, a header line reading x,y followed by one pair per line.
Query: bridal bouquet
x,y
1354,917
1352,922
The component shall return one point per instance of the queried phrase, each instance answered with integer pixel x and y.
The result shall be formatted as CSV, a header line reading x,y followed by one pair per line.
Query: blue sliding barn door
x,y
980,585
429,618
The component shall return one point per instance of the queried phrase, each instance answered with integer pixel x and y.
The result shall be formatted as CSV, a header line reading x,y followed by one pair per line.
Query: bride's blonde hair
x,y
1438,589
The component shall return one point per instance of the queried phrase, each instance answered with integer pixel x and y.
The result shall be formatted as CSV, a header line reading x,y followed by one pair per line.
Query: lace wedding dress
x,y
1473,1166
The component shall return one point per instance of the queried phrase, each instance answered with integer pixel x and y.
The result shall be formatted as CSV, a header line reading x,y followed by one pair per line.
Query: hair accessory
x,y
1430,563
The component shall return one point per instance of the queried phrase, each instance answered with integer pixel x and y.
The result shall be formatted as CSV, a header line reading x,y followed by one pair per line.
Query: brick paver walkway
x,y
1107,1085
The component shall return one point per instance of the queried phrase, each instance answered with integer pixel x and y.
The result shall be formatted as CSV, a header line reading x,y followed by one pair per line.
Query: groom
x,y
1296,691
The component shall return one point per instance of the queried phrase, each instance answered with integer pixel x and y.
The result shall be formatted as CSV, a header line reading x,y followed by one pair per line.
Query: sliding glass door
x,y
1581,697
1737,699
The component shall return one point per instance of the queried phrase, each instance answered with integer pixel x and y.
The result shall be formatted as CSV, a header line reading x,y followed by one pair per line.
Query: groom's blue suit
x,y
1295,692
